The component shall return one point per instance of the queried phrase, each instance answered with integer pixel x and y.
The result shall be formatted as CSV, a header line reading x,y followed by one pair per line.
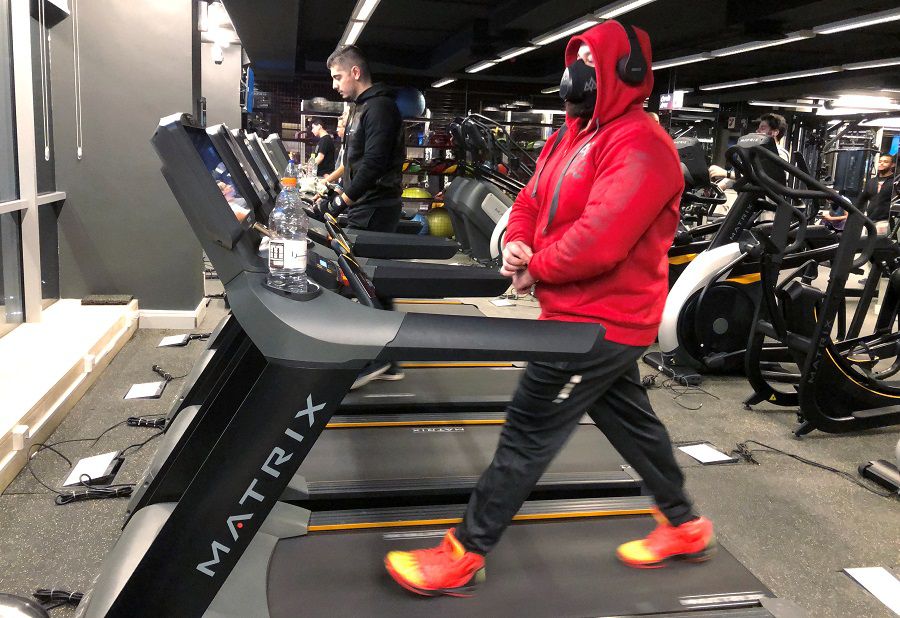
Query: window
x,y
9,187
12,310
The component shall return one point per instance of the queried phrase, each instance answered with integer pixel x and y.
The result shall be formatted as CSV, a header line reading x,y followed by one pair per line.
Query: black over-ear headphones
x,y
632,68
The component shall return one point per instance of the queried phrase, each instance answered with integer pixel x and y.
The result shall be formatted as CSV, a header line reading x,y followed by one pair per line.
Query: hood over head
x,y
608,42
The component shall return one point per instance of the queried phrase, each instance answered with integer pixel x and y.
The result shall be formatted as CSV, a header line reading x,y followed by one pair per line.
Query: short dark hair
x,y
888,155
349,56
776,122
316,120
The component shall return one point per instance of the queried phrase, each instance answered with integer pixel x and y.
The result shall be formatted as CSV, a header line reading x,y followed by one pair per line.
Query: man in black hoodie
x,y
875,199
373,145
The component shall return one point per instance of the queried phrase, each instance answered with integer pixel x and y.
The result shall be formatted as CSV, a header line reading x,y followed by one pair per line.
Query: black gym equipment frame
x,y
228,544
834,395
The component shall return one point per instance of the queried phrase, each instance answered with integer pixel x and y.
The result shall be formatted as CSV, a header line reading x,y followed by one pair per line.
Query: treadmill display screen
x,y
262,165
220,174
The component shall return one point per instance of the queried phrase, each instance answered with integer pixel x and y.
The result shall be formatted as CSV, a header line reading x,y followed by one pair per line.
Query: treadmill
x,y
277,150
365,243
451,450
227,546
479,386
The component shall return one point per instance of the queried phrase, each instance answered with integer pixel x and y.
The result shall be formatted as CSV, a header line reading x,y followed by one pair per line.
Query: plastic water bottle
x,y
287,249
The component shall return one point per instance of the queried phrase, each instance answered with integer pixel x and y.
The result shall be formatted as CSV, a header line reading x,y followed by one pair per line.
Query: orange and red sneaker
x,y
446,569
692,541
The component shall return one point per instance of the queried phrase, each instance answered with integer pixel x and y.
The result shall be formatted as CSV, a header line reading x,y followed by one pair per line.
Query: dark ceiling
x,y
419,41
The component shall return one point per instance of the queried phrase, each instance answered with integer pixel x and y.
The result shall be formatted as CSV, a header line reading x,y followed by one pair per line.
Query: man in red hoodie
x,y
590,233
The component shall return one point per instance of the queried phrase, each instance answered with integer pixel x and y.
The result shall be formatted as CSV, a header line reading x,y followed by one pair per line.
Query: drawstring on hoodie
x,y
555,203
559,137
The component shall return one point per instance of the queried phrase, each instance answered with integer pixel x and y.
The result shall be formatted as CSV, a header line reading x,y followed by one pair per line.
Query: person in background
x,y
372,161
875,199
590,233
373,146
835,218
335,176
324,148
773,125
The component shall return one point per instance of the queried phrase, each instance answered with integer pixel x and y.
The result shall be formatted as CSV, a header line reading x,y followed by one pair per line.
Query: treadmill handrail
x,y
476,338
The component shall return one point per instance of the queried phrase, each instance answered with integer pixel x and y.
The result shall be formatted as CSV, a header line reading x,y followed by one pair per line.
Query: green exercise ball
x,y
439,223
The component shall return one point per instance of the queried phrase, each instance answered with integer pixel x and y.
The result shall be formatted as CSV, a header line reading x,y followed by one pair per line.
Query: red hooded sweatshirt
x,y
603,258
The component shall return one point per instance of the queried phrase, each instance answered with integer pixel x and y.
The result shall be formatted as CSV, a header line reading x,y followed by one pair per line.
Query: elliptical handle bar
x,y
817,189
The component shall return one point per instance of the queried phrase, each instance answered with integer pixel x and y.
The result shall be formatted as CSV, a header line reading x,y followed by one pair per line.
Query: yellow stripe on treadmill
x,y
682,259
745,279
455,520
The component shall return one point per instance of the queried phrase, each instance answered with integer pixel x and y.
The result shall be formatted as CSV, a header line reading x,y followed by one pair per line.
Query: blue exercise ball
x,y
410,102
420,218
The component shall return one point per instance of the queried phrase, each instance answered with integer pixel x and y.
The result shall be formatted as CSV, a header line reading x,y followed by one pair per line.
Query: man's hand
x,y
523,281
516,256
717,172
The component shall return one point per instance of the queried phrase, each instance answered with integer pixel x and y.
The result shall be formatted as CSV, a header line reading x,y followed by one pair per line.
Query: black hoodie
x,y
374,149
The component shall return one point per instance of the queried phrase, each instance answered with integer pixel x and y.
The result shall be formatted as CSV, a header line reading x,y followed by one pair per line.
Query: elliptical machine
x,y
709,311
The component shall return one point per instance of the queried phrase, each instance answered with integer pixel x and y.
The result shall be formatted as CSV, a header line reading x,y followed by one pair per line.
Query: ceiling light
x,y
754,45
890,89
674,62
845,111
567,30
556,112
859,22
710,105
550,90
481,66
356,28
364,9
217,16
515,51
782,104
702,110
873,64
490,108
521,103
620,8
735,84
887,123
868,102
443,82
800,74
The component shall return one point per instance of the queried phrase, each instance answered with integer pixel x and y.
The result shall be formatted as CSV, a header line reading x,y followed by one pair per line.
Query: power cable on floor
x,y
746,453
678,387
59,597
165,375
86,491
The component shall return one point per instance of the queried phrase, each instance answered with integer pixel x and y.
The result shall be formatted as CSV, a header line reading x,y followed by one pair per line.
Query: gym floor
x,y
793,525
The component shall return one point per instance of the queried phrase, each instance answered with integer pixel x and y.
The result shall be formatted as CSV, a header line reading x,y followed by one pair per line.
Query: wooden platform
x,y
45,369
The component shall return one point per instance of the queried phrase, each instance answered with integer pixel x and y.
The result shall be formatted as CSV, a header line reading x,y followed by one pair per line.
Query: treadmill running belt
x,y
459,388
415,462
552,568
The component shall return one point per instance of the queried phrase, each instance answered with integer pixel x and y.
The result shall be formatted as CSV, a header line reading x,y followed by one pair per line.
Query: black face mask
x,y
579,81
